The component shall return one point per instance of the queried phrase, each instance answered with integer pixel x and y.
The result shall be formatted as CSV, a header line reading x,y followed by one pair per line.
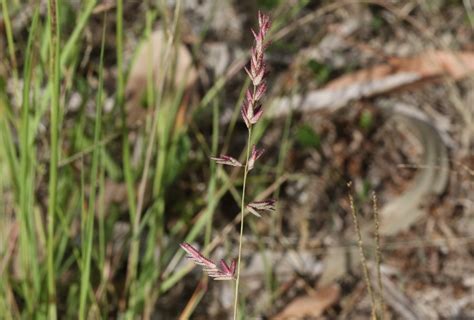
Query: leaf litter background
x,y
379,93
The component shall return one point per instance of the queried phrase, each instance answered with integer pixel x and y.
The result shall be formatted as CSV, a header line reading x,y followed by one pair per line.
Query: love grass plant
x,y
251,112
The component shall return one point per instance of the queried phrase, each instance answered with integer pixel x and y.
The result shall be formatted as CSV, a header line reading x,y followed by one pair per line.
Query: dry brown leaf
x,y
426,66
399,73
409,207
312,305
115,193
178,65
105,6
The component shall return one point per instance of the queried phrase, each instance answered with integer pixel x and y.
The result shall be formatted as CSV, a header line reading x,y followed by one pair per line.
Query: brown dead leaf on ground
x,y
427,66
410,206
115,193
312,305
396,74
151,57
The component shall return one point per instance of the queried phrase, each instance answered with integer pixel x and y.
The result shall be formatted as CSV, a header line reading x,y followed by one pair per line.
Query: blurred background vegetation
x,y
110,110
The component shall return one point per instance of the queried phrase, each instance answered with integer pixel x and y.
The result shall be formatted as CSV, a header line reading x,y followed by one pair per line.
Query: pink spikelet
x,y
227,160
256,153
264,23
252,111
244,113
225,272
260,92
258,111
258,206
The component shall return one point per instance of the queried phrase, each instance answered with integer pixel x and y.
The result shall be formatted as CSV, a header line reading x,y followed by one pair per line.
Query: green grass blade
x,y
89,219
212,180
54,86
120,95
73,38
10,41
27,230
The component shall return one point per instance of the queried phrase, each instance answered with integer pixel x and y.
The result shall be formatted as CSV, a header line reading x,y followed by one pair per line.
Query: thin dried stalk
x,y
378,256
363,259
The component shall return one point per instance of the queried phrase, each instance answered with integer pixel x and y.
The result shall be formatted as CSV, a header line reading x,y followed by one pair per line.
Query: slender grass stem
x,y
242,215
54,49
89,219
212,180
127,169
378,254
363,259
101,215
